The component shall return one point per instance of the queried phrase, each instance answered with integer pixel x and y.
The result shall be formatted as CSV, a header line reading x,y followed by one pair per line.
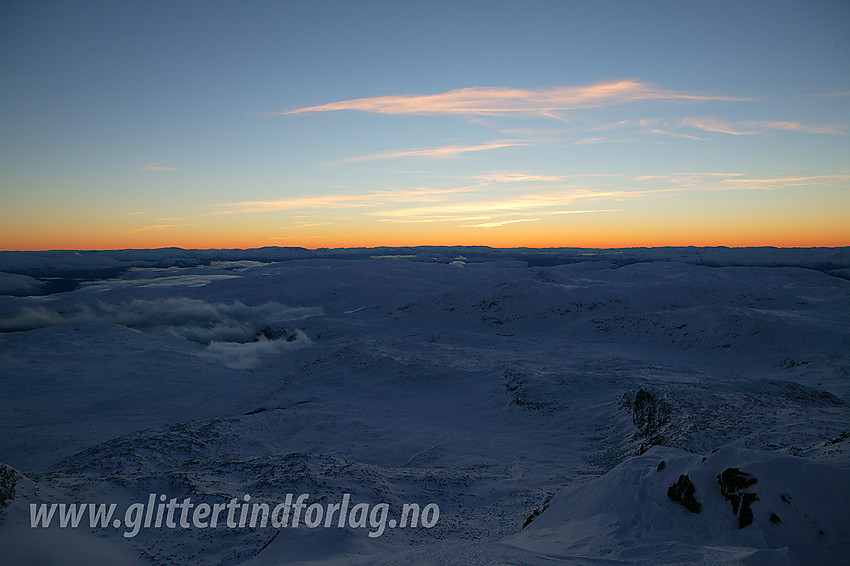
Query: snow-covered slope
x,y
16,284
499,385
798,513
22,544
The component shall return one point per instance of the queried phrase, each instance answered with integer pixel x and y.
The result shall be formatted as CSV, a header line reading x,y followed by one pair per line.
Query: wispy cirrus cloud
x,y
151,227
718,181
688,178
649,125
798,127
501,223
674,126
624,188
493,199
754,127
495,101
708,124
158,167
524,177
435,152
357,200
771,183
518,177
555,201
309,225
497,224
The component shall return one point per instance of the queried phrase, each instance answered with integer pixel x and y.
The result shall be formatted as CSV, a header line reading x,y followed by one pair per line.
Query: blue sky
x,y
211,124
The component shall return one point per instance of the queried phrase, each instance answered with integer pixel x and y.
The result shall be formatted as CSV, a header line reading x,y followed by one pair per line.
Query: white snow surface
x,y
17,284
532,401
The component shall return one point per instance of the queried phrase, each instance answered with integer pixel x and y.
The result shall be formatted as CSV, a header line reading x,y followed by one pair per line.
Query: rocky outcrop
x,y
277,332
8,480
650,415
535,513
683,492
733,482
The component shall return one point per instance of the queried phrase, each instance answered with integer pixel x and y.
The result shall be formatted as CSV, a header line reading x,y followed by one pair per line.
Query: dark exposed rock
x,y
8,480
683,492
535,513
838,439
515,387
791,362
745,513
732,482
661,465
774,518
650,414
277,332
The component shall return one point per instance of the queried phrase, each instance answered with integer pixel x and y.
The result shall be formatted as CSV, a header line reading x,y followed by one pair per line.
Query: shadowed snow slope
x,y
15,284
798,518
525,387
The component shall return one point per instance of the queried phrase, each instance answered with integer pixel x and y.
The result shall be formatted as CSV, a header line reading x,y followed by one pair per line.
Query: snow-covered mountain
x,y
532,394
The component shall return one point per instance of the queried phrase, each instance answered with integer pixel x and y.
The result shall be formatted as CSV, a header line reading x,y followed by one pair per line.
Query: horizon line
x,y
711,246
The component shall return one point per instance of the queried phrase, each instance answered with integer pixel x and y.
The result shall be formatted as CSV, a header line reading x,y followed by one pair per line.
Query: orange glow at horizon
x,y
583,232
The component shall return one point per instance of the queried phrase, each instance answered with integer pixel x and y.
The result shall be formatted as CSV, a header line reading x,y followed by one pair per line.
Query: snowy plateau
x,y
561,406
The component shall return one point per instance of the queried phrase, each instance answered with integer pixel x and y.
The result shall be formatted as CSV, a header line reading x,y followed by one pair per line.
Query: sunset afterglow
x,y
540,124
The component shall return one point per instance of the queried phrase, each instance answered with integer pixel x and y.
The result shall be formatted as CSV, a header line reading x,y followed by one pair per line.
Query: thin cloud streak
x,y
443,151
798,127
544,203
375,198
588,211
309,225
529,202
158,167
502,223
429,219
519,177
709,124
672,127
782,182
687,180
495,101
715,125
510,177
701,181
151,227
425,205
649,125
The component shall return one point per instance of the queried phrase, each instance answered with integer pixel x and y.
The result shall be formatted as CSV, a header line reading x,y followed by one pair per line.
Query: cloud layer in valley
x,y
192,319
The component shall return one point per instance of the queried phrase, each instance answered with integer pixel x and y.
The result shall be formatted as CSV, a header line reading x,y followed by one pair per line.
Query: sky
x,y
342,124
